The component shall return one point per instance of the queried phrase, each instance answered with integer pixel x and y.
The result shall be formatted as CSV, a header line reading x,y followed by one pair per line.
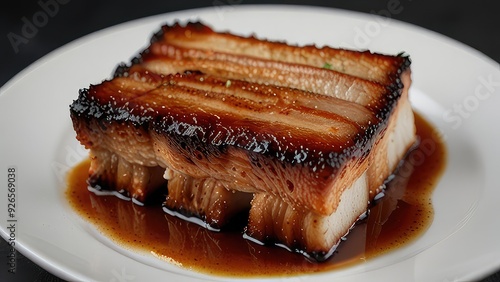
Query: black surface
x,y
474,23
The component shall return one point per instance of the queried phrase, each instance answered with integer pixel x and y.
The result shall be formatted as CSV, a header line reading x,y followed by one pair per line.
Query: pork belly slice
x,y
286,154
384,69
312,133
273,221
204,201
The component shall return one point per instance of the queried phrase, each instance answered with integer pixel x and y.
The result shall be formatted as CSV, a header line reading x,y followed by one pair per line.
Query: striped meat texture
x,y
304,137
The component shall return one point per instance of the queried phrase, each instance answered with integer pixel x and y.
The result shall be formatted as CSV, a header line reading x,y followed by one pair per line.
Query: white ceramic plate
x,y
455,87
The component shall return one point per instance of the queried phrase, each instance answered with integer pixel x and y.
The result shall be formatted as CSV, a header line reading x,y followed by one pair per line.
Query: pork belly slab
x,y
301,137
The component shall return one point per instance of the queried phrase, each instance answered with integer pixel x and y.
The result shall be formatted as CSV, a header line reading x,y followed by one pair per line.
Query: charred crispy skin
x,y
313,131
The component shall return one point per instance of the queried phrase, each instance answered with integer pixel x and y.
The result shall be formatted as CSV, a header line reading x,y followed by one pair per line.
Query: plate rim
x,y
37,258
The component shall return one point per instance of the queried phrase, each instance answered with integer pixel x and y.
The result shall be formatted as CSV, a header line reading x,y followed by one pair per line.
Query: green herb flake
x,y
327,66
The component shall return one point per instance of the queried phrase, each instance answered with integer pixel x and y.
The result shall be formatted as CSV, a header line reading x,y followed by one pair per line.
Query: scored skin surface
x,y
364,64
166,59
140,103
272,62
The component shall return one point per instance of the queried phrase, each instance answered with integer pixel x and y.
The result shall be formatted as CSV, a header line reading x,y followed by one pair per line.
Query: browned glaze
x,y
397,219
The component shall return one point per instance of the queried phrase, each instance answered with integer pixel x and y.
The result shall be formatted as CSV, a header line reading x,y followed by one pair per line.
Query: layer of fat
x,y
273,220
353,204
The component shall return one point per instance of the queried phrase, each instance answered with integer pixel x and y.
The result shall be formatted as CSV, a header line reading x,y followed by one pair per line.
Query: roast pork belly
x,y
303,137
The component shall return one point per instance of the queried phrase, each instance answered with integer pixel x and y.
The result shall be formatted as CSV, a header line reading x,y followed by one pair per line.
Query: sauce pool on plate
x,y
398,218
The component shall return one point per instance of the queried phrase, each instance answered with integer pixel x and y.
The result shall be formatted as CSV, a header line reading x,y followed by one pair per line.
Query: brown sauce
x,y
397,219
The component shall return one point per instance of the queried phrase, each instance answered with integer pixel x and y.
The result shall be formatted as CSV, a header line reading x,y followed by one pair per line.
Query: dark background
x,y
474,23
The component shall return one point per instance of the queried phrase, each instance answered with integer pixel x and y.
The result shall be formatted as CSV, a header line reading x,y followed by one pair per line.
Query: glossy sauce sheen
x,y
398,218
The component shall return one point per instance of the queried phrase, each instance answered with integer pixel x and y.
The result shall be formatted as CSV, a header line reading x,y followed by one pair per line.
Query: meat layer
x,y
204,201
